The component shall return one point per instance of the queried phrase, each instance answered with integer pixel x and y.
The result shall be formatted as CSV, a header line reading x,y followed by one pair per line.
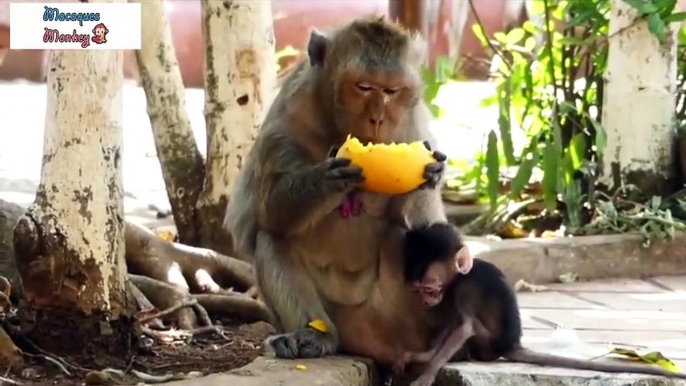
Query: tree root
x,y
192,269
165,296
245,308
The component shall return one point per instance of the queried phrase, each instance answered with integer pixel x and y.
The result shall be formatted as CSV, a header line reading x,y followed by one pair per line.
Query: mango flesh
x,y
394,168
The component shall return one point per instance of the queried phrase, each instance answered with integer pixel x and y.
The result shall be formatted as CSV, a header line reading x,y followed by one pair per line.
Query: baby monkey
x,y
476,313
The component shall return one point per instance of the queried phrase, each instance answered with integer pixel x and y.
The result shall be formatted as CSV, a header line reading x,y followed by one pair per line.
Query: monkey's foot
x,y
352,205
304,343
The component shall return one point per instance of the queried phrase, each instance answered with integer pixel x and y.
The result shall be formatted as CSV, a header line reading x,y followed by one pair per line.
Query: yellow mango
x,y
394,168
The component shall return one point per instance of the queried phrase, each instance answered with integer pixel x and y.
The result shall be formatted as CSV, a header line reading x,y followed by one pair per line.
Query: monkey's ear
x,y
418,49
464,260
317,47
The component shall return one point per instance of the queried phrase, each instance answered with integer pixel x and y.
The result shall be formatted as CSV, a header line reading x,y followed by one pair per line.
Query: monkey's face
x,y
373,106
431,287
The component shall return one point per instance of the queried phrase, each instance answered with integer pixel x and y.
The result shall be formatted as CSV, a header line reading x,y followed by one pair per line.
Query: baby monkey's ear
x,y
464,260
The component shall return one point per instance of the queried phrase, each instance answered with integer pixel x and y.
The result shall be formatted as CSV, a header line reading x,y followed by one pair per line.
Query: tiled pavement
x,y
596,316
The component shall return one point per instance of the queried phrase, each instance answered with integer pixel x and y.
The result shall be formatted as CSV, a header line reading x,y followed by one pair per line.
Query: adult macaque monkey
x,y
362,79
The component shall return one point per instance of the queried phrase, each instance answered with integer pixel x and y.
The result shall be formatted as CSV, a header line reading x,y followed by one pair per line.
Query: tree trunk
x,y
638,107
9,214
410,13
240,75
69,244
458,21
180,160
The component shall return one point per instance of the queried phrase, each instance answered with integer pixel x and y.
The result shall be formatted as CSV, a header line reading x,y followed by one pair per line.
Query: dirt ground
x,y
207,354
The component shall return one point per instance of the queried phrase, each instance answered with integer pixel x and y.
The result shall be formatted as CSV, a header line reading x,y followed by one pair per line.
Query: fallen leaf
x,y
165,235
653,357
318,325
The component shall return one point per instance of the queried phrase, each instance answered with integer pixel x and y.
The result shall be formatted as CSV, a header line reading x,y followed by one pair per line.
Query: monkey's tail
x,y
525,355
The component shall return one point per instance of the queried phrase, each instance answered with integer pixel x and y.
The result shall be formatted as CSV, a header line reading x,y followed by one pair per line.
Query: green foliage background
x,y
552,90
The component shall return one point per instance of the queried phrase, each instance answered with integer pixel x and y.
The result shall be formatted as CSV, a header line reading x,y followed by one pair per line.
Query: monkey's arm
x,y
456,339
295,191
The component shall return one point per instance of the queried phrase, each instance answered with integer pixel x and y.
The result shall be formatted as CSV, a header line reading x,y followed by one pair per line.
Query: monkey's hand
x,y
337,175
306,342
433,173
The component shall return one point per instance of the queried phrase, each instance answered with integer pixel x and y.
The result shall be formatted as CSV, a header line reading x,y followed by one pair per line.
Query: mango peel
x,y
393,169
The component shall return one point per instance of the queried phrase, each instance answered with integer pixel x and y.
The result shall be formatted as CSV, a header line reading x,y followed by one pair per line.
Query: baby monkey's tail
x,y
525,355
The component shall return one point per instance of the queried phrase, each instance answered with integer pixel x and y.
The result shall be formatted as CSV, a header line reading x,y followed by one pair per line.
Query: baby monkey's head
x,y
434,254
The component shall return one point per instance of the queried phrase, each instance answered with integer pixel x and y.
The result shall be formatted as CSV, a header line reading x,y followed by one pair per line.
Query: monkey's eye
x,y
390,91
363,87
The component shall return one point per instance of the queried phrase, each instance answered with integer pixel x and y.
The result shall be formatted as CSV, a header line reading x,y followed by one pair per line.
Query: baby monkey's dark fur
x,y
479,317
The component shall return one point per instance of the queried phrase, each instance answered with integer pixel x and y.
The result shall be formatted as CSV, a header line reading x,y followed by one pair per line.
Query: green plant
x,y
553,92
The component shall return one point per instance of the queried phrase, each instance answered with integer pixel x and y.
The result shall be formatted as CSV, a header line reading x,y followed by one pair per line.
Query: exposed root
x,y
202,314
174,308
247,309
144,304
165,296
7,381
197,270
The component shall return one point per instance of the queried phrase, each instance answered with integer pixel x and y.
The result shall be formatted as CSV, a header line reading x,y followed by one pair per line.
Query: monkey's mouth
x,y
430,295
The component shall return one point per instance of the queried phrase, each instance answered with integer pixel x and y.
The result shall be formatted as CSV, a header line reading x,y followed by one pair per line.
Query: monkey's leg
x,y
455,341
292,298
421,356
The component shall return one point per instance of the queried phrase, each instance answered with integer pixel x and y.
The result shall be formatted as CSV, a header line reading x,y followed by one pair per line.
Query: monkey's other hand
x,y
433,172
338,175
303,343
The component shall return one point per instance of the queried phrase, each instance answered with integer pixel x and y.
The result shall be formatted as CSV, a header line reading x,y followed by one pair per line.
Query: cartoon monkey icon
x,y
100,31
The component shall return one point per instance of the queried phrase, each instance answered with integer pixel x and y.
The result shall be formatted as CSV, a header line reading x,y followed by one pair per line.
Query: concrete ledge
x,y
516,374
542,261
330,371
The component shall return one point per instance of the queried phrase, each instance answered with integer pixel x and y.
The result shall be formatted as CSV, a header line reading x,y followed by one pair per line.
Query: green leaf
x,y
657,27
571,41
573,158
550,174
480,34
493,169
523,175
664,7
675,17
515,36
577,149
600,137
642,6
581,18
505,122
488,101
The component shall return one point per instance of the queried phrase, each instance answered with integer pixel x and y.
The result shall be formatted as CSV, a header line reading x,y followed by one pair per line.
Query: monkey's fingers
x,y
351,173
332,152
334,163
432,174
438,156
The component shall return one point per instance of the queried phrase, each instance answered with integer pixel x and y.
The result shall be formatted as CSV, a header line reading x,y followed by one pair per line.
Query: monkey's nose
x,y
376,122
